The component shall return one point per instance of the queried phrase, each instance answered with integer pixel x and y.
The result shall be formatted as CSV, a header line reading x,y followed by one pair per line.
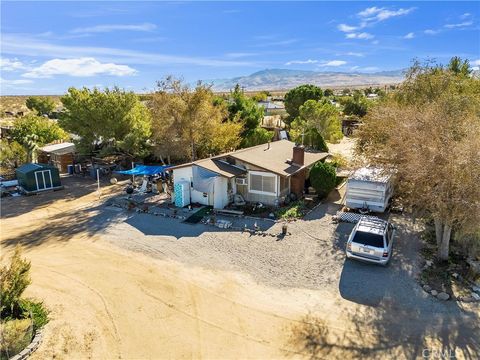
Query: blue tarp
x,y
144,170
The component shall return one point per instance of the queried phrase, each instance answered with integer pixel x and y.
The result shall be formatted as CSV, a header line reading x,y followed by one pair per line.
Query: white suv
x,y
371,240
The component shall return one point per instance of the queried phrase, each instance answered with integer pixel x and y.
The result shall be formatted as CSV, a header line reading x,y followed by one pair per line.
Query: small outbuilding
x,y
33,178
59,155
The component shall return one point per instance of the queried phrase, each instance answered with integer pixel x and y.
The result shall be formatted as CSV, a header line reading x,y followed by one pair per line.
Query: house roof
x,y
271,157
274,157
59,149
219,166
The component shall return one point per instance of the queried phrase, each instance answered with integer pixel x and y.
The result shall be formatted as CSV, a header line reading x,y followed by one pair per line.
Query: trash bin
x,y
70,169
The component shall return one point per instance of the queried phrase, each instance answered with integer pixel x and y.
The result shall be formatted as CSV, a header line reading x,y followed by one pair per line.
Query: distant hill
x,y
283,79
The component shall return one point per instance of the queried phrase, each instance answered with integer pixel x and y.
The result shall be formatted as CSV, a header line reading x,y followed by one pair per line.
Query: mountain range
x,y
284,79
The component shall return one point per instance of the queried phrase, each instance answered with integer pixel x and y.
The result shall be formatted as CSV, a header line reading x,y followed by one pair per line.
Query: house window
x,y
262,183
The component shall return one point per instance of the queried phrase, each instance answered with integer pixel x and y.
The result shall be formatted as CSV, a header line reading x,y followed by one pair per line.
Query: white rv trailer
x,y
369,189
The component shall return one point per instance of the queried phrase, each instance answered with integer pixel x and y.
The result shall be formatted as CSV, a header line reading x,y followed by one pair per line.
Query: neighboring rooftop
x,y
59,149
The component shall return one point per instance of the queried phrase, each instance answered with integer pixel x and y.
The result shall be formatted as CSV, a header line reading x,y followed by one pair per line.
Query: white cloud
x,y
8,82
236,55
410,35
465,16
309,61
376,14
459,25
333,63
11,64
27,46
346,28
475,68
81,67
476,62
363,35
115,27
431,32
357,54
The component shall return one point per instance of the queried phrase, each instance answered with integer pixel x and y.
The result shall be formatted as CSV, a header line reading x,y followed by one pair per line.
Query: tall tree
x,y
111,120
42,105
32,131
321,116
189,123
297,97
245,110
356,105
428,133
459,66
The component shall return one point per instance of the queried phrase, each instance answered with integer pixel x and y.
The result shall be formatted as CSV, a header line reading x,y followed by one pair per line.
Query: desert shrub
x,y
295,210
323,178
36,310
14,279
16,335
338,160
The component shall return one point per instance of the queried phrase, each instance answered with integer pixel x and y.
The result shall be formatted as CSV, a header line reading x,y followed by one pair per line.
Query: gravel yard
x,y
309,258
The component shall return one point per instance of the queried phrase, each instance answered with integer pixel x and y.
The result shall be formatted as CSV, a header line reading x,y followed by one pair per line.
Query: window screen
x,y
262,183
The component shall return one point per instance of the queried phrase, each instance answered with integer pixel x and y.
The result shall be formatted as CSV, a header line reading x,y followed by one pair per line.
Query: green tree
x,y
12,154
261,96
323,178
244,110
297,97
308,136
42,105
256,137
356,105
32,131
459,66
113,119
328,92
428,132
322,116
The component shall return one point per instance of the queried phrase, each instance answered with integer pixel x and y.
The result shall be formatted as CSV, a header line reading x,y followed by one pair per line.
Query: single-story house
x,y
59,155
264,173
34,178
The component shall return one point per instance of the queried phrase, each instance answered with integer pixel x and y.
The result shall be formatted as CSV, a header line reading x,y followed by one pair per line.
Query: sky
x,y
47,47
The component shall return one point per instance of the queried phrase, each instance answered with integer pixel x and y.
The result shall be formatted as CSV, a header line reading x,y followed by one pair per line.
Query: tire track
x,y
96,292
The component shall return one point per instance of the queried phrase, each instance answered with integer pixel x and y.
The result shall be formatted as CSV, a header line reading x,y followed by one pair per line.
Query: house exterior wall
x,y
186,174
218,198
282,185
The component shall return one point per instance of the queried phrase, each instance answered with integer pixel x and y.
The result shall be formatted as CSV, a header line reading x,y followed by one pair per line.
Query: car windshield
x,y
366,238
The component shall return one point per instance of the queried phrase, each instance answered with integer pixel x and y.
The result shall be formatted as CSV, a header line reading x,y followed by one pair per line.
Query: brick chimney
x,y
298,155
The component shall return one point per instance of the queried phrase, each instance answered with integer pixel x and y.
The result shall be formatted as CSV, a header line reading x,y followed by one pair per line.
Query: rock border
x,y
441,295
25,353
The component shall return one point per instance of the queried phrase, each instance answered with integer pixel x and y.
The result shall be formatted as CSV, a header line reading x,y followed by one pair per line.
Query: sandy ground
x,y
135,286
344,147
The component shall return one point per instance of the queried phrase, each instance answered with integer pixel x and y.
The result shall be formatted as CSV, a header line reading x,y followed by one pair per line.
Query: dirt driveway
x,y
127,285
